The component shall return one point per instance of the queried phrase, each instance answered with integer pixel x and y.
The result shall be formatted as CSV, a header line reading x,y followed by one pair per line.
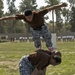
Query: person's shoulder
x,y
43,52
40,50
35,11
19,16
32,53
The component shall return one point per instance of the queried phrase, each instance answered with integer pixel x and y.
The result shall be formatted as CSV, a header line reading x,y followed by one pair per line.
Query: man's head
x,y
55,58
28,14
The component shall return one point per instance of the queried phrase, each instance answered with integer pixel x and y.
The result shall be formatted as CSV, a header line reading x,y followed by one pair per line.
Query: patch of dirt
x,y
11,64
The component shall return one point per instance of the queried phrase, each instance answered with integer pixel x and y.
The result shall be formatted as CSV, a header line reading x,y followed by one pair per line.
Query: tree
x,y
65,13
72,14
72,2
51,3
1,13
11,6
1,7
11,11
72,20
27,4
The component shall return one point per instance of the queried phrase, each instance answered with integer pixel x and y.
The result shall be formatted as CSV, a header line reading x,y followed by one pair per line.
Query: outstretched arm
x,y
7,18
57,6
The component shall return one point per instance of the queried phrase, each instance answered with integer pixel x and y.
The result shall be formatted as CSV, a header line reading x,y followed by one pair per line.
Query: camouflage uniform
x,y
44,33
25,66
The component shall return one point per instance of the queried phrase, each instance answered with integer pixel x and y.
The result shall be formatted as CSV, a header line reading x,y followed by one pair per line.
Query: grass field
x,y
10,54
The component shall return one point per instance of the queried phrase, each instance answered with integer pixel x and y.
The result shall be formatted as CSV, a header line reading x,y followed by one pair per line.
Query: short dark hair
x,y
28,12
57,58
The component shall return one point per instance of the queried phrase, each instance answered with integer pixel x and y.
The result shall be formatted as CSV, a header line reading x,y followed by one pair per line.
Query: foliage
x,y
1,7
72,21
27,4
11,6
59,20
57,12
72,14
1,13
12,10
52,2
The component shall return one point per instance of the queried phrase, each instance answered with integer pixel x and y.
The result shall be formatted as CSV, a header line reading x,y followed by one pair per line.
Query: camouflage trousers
x,y
44,33
25,66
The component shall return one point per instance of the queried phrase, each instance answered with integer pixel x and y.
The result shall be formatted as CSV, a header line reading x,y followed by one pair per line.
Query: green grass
x,y
10,54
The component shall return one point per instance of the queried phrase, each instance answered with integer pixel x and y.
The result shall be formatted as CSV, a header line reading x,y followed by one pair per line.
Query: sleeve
x,y
19,17
45,51
48,52
44,58
43,12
